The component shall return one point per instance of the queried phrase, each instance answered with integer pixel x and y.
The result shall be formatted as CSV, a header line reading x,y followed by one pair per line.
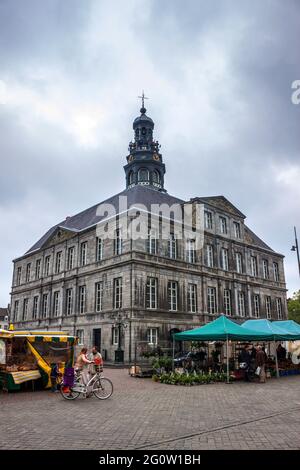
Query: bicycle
x,y
99,386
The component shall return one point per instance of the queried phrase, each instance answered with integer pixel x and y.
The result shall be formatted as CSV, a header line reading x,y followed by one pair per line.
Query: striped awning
x,y
24,376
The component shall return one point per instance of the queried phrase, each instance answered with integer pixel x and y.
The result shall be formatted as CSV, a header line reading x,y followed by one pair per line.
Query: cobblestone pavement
x,y
142,414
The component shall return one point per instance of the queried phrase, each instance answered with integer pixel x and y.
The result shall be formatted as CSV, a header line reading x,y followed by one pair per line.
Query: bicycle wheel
x,y
102,388
68,393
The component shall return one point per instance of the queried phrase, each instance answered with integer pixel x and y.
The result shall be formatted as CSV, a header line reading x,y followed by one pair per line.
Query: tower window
x,y
131,178
143,175
156,176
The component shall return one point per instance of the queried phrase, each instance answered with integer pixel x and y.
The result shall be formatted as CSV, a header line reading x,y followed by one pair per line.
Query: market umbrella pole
x,y
227,359
276,360
173,366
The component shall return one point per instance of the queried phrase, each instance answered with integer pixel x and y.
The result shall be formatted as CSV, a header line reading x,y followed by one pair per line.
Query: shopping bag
x,y
257,372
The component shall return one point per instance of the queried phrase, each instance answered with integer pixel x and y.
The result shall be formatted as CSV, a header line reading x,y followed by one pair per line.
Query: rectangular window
x,y
16,310
265,269
82,299
152,336
223,225
56,304
173,296
276,272
208,220
268,307
151,293
239,262
237,229
118,293
224,257
191,251
99,249
69,301
47,266
45,305
37,269
58,262
172,246
210,256
227,302
28,269
80,336
99,296
19,274
115,336
70,257
241,304
253,266
35,308
118,244
192,298
279,308
256,305
25,309
152,241
83,253
211,300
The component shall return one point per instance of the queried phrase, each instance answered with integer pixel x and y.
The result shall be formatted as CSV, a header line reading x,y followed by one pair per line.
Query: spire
x,y
144,162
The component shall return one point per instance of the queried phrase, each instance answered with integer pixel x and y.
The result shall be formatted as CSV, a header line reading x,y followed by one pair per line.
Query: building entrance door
x,y
97,338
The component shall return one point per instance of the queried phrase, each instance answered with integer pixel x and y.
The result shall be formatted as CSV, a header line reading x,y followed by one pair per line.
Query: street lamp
x,y
119,323
296,248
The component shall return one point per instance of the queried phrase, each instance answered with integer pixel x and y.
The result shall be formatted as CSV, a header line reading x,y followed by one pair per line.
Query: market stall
x,y
27,356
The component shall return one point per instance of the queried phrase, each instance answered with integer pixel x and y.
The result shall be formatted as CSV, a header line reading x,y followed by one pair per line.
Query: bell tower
x,y
144,162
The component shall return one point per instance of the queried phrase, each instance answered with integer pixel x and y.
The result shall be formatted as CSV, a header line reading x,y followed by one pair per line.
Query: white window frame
x,y
69,301
172,246
118,242
239,262
208,220
35,307
58,258
83,253
28,271
82,299
115,335
212,300
241,304
16,310
152,336
56,303
253,262
279,308
210,256
191,251
99,249
19,275
192,298
276,271
256,306
268,307
237,229
173,296
225,259
38,269
223,225
152,241
71,257
265,269
25,310
80,336
227,302
118,294
47,265
99,296
45,305
151,293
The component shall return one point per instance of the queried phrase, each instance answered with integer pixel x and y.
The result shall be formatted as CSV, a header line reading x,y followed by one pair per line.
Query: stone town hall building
x,y
77,280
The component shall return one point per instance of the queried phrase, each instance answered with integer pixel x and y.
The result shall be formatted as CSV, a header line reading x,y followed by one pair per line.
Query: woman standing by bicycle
x,y
82,364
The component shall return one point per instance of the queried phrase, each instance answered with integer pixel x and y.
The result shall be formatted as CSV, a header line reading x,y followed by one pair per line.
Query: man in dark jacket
x,y
245,357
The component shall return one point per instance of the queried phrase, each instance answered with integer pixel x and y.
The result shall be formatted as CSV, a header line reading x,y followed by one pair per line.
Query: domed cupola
x,y
144,162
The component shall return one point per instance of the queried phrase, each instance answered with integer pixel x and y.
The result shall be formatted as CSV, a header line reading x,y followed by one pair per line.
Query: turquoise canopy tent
x,y
222,329
278,332
289,325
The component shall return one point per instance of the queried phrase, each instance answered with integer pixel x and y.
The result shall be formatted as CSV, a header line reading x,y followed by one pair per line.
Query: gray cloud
x,y
219,76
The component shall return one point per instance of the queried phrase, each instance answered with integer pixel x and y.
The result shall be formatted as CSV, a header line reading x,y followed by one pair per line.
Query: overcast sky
x,y
218,74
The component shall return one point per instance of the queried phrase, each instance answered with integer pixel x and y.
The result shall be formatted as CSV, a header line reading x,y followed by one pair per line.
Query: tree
x,y
294,307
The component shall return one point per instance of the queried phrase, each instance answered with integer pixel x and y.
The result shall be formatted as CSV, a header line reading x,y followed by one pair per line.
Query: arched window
x,y
131,178
143,175
156,176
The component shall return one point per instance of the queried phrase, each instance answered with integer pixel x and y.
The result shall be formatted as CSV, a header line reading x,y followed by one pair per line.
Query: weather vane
x,y
143,98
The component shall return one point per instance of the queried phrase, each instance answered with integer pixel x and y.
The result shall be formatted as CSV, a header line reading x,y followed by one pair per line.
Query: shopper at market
x,y
260,362
281,352
82,364
245,357
96,359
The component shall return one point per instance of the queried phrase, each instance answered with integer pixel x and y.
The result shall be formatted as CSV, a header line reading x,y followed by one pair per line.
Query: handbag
x,y
257,372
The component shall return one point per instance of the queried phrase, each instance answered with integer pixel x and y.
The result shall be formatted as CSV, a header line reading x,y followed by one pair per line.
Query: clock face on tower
x,y
155,157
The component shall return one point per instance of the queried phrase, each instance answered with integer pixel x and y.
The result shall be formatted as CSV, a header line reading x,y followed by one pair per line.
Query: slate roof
x,y
135,195
87,218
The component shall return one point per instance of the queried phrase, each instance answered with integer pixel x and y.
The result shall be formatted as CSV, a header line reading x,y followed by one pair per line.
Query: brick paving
x,y
142,414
